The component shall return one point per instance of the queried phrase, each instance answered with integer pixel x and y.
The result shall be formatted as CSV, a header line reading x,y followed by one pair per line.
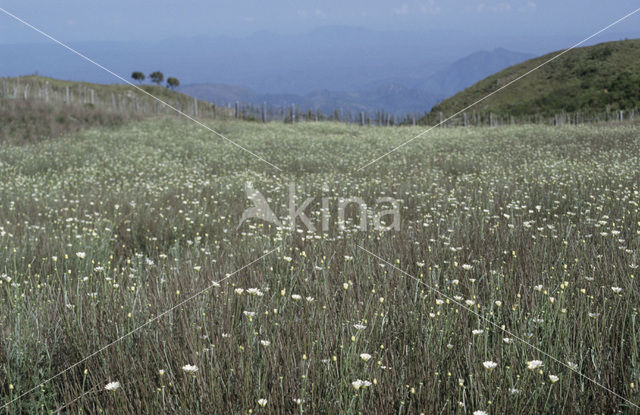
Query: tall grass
x,y
535,228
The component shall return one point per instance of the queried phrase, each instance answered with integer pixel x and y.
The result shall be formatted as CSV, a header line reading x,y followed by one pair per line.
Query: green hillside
x,y
604,77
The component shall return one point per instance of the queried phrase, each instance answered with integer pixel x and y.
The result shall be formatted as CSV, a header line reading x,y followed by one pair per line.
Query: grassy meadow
x,y
535,229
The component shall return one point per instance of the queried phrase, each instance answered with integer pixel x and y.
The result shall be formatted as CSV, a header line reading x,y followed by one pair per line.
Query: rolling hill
x,y
604,77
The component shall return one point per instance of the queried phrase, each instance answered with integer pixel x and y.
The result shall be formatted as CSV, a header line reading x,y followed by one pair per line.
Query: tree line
x,y
156,77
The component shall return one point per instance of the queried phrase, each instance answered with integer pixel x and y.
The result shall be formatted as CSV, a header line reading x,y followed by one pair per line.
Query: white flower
x,y
480,412
616,290
239,291
296,297
262,402
538,287
534,364
514,391
81,255
467,267
190,368
297,401
506,340
359,326
490,364
357,384
265,343
309,299
477,332
439,301
572,365
498,303
111,386
553,378
255,291
249,313
365,356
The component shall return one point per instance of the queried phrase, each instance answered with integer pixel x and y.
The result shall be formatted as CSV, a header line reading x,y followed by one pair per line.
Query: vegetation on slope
x,y
33,107
604,77
28,121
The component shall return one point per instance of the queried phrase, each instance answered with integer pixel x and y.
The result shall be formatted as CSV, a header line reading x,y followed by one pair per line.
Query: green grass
x,y
154,207
594,79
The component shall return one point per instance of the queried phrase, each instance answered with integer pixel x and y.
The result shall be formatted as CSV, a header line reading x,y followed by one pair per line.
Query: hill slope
x,y
33,108
470,69
593,79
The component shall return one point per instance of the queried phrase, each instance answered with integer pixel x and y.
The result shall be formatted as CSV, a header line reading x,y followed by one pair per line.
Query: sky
x,y
91,20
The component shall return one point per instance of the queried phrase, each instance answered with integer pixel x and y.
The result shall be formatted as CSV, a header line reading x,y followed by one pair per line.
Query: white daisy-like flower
x,y
553,378
489,364
479,412
616,290
190,368
467,267
359,326
534,364
296,297
265,343
365,356
249,313
506,340
262,402
255,291
477,332
357,384
81,255
111,386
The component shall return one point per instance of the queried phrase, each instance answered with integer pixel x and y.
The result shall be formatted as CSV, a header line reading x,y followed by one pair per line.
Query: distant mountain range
x,y
604,77
327,68
414,95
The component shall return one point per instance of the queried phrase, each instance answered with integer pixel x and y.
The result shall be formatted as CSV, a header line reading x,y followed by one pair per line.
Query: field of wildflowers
x,y
511,285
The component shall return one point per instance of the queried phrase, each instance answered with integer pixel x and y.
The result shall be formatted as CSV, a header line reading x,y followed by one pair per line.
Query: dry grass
x,y
29,121
105,229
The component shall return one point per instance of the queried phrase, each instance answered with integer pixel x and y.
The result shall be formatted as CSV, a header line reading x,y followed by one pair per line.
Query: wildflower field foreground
x,y
511,285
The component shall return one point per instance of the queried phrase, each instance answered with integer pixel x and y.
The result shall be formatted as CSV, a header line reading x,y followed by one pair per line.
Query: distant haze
x,y
360,55
82,20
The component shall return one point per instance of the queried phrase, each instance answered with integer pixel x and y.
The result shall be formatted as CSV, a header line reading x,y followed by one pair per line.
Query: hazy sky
x,y
73,20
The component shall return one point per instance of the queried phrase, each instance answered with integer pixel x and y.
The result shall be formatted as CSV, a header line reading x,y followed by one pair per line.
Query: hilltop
x,y
33,107
600,78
